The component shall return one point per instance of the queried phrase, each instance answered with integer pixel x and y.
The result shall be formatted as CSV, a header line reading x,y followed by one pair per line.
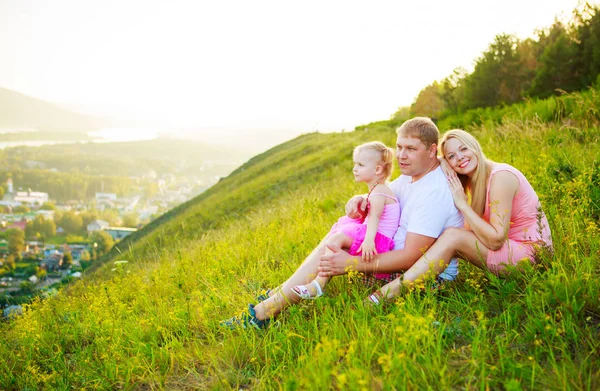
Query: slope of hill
x,y
23,112
148,317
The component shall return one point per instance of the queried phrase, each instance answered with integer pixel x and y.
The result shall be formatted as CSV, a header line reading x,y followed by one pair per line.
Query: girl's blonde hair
x,y
386,154
477,184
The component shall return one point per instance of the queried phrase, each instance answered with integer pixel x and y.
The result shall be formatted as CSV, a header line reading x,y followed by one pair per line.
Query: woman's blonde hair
x,y
386,154
477,184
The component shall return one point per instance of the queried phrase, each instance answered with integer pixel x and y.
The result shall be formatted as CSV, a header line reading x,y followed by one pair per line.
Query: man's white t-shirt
x,y
427,208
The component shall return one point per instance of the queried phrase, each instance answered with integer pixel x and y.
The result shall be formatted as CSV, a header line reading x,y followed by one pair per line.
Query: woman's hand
x,y
458,192
368,251
446,167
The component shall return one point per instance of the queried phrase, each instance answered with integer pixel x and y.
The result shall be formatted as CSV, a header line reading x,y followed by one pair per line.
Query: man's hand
x,y
355,206
337,263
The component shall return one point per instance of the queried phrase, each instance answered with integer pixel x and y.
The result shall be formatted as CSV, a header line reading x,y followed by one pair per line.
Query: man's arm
x,y
340,262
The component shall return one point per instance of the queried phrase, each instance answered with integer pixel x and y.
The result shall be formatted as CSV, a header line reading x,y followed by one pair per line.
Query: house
x,y
118,233
31,198
15,224
52,262
97,225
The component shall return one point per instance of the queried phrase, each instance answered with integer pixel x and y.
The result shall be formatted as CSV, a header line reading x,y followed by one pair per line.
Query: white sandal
x,y
303,292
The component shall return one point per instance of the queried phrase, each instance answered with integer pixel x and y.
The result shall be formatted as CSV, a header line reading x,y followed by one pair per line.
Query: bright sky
x,y
269,67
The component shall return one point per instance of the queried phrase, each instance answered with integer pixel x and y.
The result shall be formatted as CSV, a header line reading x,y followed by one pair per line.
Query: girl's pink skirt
x,y
357,230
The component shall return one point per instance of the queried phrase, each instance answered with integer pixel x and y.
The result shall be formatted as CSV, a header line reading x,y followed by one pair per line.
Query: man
x,y
426,203
427,209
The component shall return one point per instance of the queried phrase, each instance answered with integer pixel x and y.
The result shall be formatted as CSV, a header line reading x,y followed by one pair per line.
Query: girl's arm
x,y
368,246
503,188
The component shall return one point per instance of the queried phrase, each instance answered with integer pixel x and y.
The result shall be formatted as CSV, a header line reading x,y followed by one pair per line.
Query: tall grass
x,y
152,322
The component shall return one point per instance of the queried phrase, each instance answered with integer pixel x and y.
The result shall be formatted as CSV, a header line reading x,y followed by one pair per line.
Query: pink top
x,y
528,221
390,217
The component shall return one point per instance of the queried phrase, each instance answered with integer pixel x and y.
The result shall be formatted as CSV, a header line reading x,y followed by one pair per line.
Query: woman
x,y
504,223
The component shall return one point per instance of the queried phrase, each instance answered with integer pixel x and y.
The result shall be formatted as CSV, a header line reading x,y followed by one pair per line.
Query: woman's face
x,y
459,157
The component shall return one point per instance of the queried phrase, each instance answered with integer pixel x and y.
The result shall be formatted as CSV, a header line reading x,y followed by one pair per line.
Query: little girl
x,y
374,233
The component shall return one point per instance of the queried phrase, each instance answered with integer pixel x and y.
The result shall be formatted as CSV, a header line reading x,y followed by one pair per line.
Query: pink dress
x,y
529,227
386,229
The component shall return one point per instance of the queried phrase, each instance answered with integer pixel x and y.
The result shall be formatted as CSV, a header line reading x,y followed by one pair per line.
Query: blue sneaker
x,y
264,295
245,319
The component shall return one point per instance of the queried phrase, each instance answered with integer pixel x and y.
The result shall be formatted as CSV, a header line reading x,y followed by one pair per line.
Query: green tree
x,y
67,260
16,241
103,240
130,219
429,102
10,263
88,216
587,36
48,206
71,222
557,63
498,77
21,209
453,89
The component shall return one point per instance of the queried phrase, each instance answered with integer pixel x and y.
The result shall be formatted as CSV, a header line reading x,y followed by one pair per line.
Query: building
x,y
118,233
29,198
97,225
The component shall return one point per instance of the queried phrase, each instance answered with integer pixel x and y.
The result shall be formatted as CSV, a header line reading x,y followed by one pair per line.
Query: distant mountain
x,y
23,112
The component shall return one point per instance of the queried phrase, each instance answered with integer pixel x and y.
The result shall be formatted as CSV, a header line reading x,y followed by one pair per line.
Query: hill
x,y
152,322
18,111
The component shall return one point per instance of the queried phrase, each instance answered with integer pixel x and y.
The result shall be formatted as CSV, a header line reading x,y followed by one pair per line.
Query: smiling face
x,y
414,158
366,165
460,158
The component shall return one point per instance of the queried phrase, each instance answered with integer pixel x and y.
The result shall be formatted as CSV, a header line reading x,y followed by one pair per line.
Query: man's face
x,y
414,158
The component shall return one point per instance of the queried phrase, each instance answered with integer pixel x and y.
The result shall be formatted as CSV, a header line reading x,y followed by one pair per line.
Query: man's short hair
x,y
422,128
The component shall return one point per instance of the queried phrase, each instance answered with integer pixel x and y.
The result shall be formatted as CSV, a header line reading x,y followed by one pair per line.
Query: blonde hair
x,y
422,128
386,156
477,184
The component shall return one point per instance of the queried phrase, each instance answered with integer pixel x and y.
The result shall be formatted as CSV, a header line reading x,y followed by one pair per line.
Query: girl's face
x,y
459,157
366,165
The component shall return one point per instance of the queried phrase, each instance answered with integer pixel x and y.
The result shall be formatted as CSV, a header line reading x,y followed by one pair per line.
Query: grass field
x,y
148,318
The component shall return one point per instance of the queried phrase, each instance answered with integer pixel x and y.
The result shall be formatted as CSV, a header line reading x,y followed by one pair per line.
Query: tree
x,y
557,63
88,216
587,36
453,89
498,77
40,227
10,263
67,260
103,240
21,209
71,222
429,102
16,241
48,206
130,219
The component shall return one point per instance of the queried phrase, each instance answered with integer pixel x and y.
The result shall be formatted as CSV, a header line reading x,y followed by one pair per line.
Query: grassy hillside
x,y
152,322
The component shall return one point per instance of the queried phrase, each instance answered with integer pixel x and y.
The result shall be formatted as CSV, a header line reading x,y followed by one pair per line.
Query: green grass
x,y
152,323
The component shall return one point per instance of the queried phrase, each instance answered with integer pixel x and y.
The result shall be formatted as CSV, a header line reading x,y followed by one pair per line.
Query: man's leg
x,y
453,242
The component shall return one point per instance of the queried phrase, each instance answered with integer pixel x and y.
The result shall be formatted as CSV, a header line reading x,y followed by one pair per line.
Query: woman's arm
x,y
503,188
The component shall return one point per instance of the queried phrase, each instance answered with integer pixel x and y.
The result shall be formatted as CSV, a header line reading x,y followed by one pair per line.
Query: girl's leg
x,y
339,239
453,242
284,297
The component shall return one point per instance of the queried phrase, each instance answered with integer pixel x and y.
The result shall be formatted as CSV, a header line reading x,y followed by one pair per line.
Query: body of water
x,y
107,135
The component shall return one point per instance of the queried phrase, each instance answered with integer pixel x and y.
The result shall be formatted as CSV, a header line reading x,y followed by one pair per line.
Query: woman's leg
x,y
453,242
283,296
